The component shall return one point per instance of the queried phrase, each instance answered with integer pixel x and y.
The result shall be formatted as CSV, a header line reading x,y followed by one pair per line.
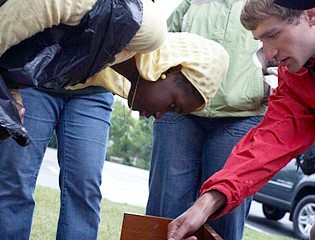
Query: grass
x,y
47,210
251,234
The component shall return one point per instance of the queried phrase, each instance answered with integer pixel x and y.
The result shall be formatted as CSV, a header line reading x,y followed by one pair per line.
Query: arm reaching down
x,y
196,216
286,131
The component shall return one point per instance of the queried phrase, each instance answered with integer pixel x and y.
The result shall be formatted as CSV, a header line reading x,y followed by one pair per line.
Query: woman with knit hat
x,y
182,75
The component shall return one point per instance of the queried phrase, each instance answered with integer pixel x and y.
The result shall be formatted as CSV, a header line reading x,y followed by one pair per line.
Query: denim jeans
x,y
186,151
82,126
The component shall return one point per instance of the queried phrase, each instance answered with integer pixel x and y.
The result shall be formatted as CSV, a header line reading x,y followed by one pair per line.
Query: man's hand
x,y
191,220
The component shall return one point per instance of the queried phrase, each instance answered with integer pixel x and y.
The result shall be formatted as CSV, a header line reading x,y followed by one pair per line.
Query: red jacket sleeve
x,y
286,131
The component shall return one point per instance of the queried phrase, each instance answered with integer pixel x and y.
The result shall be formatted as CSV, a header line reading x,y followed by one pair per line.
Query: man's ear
x,y
175,69
310,13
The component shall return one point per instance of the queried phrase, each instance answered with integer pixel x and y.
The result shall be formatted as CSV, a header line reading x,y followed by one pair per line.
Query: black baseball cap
x,y
296,4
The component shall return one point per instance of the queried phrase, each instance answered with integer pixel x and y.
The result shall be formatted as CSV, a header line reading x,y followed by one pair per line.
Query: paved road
x,y
258,222
126,184
120,183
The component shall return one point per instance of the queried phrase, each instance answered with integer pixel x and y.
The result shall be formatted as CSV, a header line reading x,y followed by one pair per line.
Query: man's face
x,y
289,44
154,98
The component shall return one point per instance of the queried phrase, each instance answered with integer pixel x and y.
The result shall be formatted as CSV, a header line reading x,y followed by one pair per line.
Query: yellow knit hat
x,y
204,63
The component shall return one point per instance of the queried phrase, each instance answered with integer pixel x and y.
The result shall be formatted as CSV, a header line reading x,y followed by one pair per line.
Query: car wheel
x,y
272,213
304,217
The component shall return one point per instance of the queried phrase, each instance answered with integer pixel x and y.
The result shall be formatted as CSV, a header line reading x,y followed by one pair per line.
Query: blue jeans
x,y
186,151
82,126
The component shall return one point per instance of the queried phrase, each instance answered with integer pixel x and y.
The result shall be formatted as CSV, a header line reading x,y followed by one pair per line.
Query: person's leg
x,y
223,136
175,169
82,135
19,166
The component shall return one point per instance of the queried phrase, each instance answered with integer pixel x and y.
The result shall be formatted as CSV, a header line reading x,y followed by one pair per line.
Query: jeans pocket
x,y
241,127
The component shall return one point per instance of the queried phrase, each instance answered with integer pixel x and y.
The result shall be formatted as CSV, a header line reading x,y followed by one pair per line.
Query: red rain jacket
x,y
288,129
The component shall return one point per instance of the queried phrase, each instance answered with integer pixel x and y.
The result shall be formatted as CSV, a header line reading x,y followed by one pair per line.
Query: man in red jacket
x,y
288,36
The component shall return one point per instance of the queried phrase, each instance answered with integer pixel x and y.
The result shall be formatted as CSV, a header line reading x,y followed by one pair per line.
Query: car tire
x,y
304,217
272,213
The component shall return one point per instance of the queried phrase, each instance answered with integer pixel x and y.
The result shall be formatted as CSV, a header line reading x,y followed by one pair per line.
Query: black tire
x,y
304,217
272,213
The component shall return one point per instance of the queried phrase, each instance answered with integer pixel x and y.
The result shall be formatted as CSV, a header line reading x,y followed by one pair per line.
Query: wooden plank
x,y
143,227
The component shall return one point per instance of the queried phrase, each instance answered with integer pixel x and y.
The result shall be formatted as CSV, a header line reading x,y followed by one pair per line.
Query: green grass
x,y
251,234
47,210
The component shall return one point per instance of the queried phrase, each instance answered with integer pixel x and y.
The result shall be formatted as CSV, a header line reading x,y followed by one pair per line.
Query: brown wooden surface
x,y
143,227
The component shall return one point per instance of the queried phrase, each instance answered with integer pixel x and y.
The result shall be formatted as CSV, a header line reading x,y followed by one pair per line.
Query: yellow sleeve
x,y
21,19
109,79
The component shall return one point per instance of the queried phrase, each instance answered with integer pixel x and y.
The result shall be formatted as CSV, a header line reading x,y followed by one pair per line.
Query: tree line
x,y
130,139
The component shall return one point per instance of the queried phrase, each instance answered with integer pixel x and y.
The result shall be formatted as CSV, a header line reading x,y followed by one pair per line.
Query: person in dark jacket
x,y
91,34
81,121
181,75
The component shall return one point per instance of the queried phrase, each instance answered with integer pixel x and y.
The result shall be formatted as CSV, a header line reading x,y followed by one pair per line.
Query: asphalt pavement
x,y
120,183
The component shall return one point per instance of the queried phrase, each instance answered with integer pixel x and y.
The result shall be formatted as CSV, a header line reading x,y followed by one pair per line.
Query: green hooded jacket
x,y
241,93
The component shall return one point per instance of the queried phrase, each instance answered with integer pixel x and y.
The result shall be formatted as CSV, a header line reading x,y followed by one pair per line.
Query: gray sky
x,y
167,6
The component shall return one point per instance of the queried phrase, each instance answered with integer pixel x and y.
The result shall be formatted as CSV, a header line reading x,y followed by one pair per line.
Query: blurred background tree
x,y
130,139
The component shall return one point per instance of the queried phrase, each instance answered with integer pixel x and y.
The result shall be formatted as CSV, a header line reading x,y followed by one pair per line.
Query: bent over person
x,y
81,120
206,57
181,75
61,43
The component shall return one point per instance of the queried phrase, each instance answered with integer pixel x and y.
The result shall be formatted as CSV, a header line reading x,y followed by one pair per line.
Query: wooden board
x,y
143,227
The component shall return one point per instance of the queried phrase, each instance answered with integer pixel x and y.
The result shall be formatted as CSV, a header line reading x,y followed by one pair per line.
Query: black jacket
x,y
65,55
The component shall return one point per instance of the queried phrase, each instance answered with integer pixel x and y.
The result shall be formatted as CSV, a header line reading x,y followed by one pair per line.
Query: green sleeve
x,y
174,21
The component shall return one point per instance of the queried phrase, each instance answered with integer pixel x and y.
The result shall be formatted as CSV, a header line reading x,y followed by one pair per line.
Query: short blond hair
x,y
256,11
